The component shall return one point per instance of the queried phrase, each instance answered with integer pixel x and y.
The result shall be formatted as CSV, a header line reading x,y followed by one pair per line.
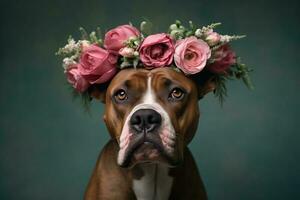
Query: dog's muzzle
x,y
145,121
147,136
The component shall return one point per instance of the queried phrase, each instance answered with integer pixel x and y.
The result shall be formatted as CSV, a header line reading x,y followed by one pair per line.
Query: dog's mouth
x,y
146,150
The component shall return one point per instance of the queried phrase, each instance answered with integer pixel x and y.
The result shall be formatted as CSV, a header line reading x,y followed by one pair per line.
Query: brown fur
x,y
109,181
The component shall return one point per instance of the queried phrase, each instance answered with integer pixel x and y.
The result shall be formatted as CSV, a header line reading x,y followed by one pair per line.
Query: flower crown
x,y
192,51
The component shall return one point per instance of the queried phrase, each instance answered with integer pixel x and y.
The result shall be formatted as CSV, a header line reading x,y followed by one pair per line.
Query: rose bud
x,y
213,38
114,39
127,52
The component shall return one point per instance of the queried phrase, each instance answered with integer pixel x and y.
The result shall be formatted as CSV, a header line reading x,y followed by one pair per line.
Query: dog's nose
x,y
145,120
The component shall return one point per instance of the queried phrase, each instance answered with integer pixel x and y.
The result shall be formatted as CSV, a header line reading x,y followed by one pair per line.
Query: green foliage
x,y
241,71
133,42
236,71
95,37
146,27
221,90
84,34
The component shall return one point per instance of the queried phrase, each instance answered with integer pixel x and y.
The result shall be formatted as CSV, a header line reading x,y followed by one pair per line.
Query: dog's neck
x,y
154,182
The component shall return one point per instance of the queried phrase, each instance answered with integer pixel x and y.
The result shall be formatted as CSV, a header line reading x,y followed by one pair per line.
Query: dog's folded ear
x,y
205,83
209,86
98,92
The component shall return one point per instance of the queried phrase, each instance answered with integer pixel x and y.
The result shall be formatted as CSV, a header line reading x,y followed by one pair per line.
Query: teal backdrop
x,y
248,149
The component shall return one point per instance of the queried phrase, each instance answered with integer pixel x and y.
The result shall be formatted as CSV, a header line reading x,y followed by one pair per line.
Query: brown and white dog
x,y
151,115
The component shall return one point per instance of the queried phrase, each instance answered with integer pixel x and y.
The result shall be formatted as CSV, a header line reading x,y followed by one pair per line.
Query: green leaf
x,y
220,91
146,27
84,34
93,37
99,33
241,71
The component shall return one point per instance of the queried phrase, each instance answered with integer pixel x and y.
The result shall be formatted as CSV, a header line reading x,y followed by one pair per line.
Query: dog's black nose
x,y
145,120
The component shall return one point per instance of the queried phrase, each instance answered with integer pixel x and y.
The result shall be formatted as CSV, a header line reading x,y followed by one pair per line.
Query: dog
x,y
152,116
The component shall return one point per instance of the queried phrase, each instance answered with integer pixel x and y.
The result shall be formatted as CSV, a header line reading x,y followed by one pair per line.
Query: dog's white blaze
x,y
148,102
149,97
156,183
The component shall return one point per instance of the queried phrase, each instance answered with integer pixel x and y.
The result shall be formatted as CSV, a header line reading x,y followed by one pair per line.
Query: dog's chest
x,y
155,184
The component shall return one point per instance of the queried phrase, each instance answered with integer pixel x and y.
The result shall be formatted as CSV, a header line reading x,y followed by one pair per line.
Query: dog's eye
x,y
121,95
176,94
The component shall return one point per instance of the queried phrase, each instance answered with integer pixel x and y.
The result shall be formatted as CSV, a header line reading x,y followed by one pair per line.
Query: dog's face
x,y
153,114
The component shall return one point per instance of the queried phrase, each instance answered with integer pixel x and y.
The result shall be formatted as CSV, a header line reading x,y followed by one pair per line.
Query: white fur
x,y
155,184
149,102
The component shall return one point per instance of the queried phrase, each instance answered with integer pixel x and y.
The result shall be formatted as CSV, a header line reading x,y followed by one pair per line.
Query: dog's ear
x,y
98,92
207,87
205,83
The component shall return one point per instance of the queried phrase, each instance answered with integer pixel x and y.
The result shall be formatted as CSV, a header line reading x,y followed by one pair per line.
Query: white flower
x,y
71,46
198,33
127,52
229,38
136,54
84,43
176,33
67,62
173,27
225,38
213,38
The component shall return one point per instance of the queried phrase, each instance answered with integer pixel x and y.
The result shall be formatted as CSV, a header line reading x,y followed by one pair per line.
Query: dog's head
x,y
153,114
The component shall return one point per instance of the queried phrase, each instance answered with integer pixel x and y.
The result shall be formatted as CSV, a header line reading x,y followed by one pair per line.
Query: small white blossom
x,y
84,43
173,27
178,33
67,62
213,38
70,46
127,52
136,54
229,38
198,32
225,38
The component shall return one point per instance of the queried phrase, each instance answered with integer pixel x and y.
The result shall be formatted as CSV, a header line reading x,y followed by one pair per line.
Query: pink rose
x,y
157,50
97,65
224,58
213,38
74,77
115,38
191,55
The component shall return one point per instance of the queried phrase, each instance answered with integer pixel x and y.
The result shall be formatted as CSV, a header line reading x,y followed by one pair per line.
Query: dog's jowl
x,y
151,117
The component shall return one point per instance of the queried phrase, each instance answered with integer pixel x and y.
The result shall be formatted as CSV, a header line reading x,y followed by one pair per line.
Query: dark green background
x,y
249,149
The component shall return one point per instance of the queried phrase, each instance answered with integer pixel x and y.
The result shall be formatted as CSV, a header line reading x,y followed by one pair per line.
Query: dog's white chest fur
x,y
155,184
